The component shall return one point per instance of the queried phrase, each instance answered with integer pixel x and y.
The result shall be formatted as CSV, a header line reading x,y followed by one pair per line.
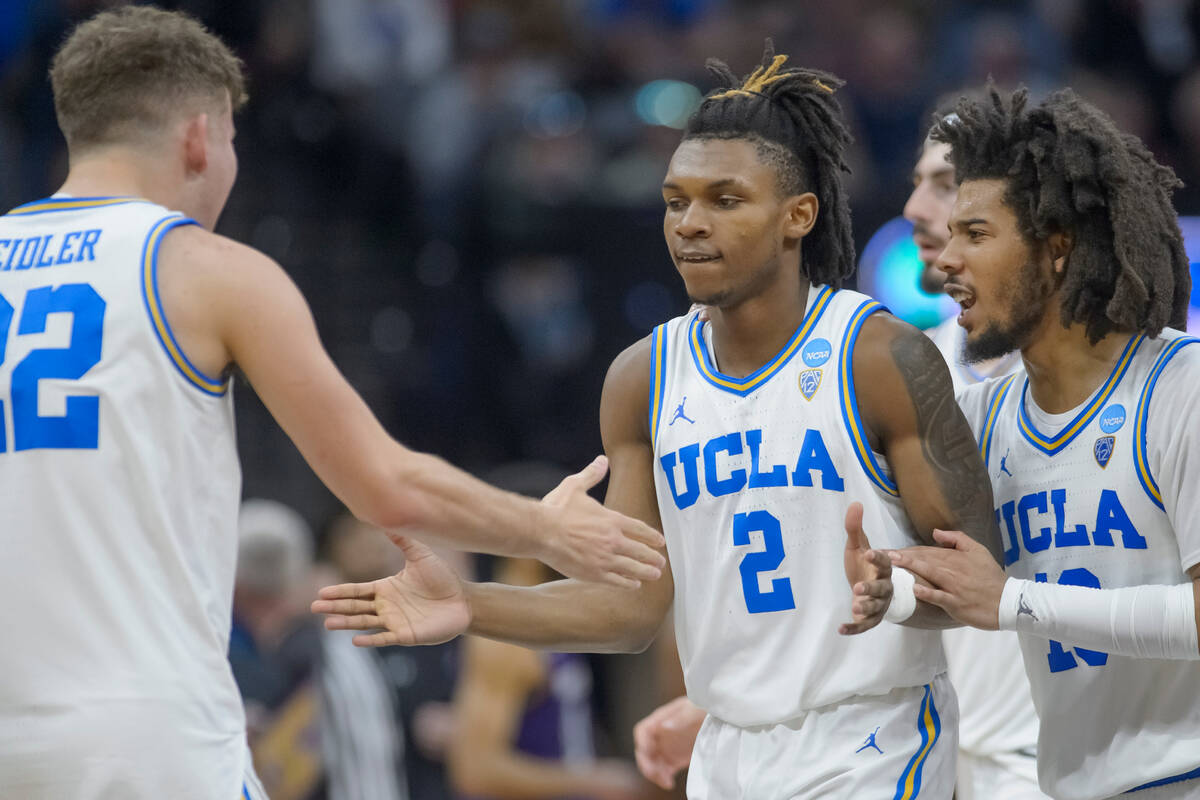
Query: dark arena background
x,y
468,194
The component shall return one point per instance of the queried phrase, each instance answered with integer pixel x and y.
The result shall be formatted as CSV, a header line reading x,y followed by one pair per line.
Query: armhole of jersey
x,y
989,421
848,401
1141,455
658,378
214,387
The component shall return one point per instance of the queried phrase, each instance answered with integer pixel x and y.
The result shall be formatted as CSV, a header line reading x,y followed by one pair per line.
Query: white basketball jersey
x,y
120,483
996,713
754,476
1103,496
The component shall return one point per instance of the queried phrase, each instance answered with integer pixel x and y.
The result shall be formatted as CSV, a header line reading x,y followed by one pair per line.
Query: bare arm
x,y
575,616
426,603
229,304
907,402
496,682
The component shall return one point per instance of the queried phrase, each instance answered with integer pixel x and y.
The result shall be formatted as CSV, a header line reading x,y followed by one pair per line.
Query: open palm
x,y
424,603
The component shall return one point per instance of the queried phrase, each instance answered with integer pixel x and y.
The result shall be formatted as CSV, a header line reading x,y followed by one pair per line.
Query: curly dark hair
x,y
1069,169
796,123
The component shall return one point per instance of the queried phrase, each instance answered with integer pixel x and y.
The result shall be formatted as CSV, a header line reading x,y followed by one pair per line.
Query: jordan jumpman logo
x,y
680,415
870,742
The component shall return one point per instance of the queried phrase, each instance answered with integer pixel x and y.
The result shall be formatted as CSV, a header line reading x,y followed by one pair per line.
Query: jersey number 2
x,y
779,597
79,428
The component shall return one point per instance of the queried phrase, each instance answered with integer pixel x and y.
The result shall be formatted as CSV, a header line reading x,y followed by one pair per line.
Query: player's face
x,y
1003,285
725,221
928,209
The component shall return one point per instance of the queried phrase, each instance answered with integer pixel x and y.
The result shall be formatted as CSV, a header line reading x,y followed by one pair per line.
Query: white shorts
x,y
999,776
899,745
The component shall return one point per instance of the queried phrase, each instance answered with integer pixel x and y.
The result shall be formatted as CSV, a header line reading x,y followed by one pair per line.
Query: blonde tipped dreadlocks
x,y
796,124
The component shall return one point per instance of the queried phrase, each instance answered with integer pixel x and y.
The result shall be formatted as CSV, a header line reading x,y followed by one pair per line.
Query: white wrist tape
x,y
1137,621
904,602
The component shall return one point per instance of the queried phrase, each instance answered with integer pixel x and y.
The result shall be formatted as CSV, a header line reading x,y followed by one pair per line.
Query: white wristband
x,y
904,602
1137,621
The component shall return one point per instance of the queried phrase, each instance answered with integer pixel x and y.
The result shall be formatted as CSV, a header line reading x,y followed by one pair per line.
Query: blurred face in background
x,y
362,552
928,209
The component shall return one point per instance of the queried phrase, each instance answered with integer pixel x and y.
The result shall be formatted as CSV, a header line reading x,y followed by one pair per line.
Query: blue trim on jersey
x,y
849,402
1140,458
658,377
929,724
215,387
1052,445
245,792
1186,776
989,422
746,385
54,204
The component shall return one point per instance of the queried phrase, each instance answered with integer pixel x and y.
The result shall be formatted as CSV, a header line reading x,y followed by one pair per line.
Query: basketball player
x,y
121,316
997,722
997,734
798,394
1064,244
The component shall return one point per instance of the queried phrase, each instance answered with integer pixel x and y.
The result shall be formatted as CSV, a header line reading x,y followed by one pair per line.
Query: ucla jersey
x,y
120,486
1103,496
753,477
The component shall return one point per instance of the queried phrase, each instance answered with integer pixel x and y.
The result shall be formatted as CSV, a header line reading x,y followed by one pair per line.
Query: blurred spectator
x,y
274,647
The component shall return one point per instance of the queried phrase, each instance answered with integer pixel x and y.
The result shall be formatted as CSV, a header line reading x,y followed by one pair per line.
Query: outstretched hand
x,y
869,573
424,603
965,580
588,541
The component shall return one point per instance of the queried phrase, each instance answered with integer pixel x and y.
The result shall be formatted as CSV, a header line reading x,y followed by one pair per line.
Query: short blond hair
x,y
127,71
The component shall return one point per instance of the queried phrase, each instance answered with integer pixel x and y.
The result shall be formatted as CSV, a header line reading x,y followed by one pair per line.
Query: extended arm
x,y
229,304
573,616
426,603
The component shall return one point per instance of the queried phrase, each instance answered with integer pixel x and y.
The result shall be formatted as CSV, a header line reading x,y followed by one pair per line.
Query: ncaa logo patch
x,y
810,381
1112,418
1103,450
816,353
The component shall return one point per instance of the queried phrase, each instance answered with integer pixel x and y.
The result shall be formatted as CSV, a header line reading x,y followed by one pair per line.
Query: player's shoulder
x,y
887,341
631,367
1175,370
203,249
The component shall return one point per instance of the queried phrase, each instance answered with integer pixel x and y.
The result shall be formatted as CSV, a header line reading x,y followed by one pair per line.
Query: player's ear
x,y
195,144
1060,243
801,215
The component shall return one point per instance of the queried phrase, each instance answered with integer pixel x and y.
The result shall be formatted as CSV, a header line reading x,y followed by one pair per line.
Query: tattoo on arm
x,y
946,441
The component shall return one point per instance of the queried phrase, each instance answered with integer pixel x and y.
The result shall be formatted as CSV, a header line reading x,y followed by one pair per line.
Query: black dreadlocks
x,y
793,118
1069,169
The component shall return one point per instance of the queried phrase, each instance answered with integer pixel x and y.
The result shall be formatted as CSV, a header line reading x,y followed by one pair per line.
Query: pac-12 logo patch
x,y
1103,450
816,352
1112,418
810,381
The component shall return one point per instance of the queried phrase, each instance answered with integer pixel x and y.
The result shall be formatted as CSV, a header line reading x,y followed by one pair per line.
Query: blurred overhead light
x,y
668,103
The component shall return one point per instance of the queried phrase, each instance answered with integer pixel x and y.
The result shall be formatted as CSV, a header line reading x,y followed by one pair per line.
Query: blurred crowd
x,y
467,192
